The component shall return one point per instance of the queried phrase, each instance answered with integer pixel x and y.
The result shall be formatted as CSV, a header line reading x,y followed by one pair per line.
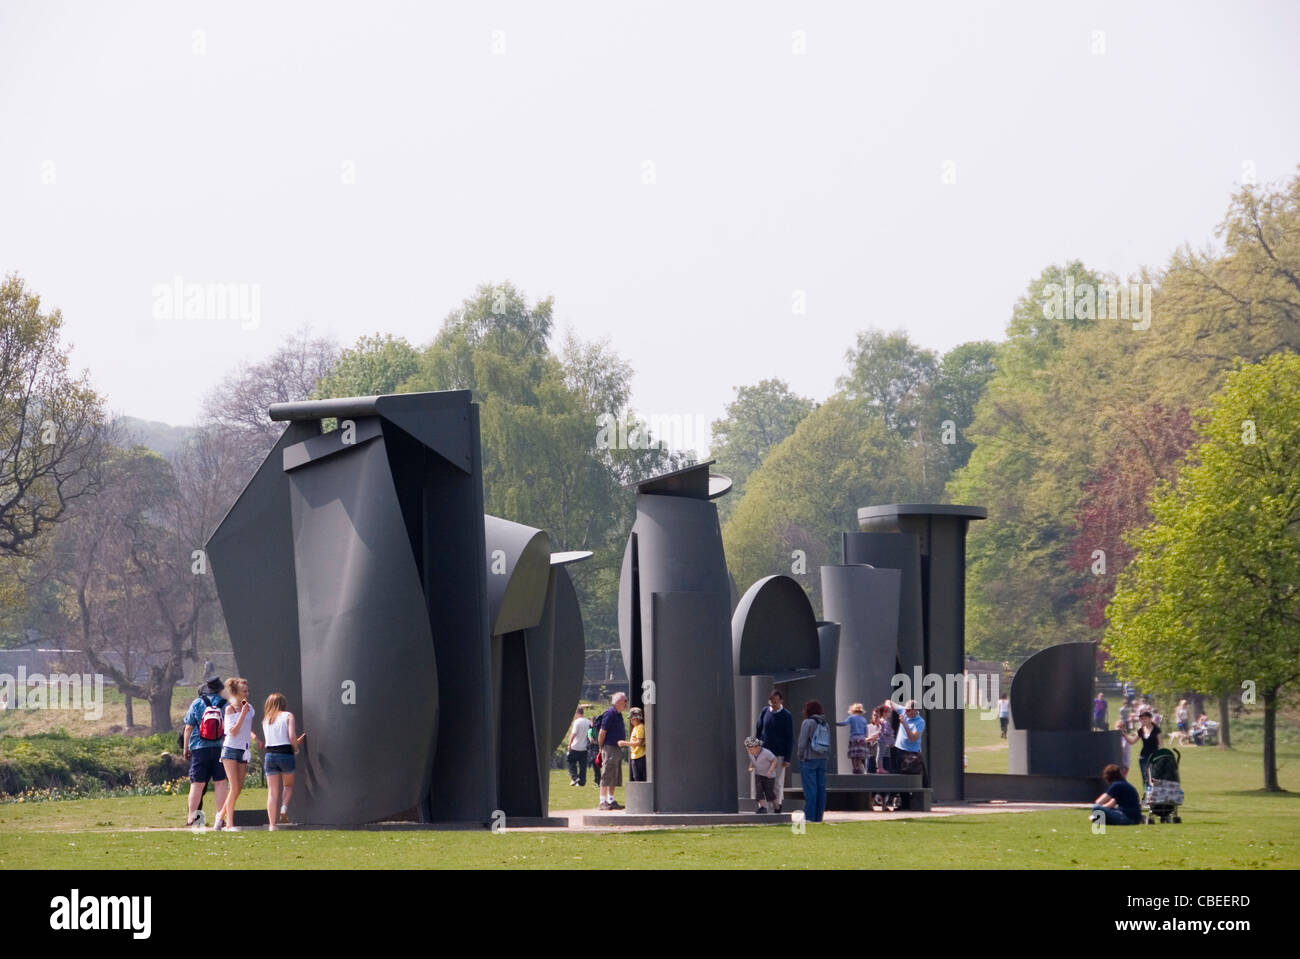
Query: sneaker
x,y
615,805
573,782
777,809
284,816
218,825
603,806
759,809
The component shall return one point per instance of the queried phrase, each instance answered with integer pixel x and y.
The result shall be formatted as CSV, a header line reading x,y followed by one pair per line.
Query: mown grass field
x,y
1227,824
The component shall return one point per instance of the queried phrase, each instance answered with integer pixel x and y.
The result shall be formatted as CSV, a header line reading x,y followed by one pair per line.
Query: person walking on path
x,y
577,757
1149,733
1004,713
814,750
611,756
202,737
775,730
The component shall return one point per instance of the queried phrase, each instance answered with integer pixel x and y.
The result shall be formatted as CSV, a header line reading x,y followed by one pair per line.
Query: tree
x,y
1211,599
890,374
1150,449
239,403
51,423
808,490
758,419
540,417
376,365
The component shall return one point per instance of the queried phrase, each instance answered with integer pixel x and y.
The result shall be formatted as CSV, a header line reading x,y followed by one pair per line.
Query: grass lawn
x,y
1227,824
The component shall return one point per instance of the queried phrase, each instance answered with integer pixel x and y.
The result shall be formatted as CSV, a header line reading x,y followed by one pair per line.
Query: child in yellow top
x,y
637,742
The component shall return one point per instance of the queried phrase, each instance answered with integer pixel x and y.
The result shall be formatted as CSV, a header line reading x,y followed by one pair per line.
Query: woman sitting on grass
x,y
1119,804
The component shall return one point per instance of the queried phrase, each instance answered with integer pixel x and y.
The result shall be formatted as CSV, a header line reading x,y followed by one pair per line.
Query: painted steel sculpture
x,y
360,577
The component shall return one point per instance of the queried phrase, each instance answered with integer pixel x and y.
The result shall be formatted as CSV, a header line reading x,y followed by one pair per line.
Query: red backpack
x,y
211,723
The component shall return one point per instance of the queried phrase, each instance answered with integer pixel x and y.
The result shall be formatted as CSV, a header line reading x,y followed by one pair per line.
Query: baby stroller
x,y
1164,794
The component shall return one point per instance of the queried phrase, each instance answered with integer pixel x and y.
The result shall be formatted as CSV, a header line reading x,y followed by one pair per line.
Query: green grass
x,y
1227,824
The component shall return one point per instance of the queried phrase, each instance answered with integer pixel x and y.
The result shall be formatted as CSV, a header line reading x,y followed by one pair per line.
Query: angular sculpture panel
x,y
356,577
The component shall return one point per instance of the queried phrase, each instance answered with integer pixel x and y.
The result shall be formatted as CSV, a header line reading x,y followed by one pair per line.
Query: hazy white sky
x,y
365,166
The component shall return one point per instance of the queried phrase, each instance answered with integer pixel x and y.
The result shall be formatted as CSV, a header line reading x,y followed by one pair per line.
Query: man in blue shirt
x,y
611,756
908,740
204,754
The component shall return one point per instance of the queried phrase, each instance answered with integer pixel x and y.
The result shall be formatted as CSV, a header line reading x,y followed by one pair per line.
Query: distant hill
x,y
163,438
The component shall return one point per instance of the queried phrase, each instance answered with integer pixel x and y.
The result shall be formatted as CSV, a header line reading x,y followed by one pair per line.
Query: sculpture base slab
x,y
686,819
1016,788
254,818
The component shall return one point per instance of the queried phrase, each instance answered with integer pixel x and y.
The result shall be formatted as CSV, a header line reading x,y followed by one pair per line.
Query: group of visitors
x,y
599,745
889,741
217,739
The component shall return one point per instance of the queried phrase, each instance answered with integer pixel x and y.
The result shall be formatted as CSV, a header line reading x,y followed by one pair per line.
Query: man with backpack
x,y
204,732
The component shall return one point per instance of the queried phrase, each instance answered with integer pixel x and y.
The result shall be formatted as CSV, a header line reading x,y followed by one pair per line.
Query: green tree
x,y
540,417
1211,599
759,418
52,429
808,490
376,365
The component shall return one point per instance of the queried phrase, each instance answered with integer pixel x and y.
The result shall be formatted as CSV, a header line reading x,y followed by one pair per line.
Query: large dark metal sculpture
x,y
774,631
1051,715
357,574
940,533
674,610
865,603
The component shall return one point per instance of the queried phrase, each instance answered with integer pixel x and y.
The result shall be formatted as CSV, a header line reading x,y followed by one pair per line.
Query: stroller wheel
x,y
1151,820
1178,819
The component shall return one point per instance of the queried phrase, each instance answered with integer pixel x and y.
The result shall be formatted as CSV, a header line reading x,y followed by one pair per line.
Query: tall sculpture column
x,y
674,613
941,536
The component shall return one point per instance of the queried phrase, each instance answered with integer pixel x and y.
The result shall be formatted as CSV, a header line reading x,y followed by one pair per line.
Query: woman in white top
x,y
234,749
282,742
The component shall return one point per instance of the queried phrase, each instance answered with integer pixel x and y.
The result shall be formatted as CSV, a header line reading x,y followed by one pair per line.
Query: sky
x,y
726,191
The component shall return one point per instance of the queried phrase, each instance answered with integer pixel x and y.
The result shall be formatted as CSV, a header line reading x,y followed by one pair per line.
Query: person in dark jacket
x,y
812,762
775,729
1119,805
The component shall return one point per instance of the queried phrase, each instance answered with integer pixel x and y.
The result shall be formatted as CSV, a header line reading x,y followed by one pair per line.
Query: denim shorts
x,y
238,755
278,763
205,764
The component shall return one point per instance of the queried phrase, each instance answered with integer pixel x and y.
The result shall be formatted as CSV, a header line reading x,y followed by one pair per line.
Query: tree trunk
x,y
1198,704
1270,741
160,708
1225,740
130,711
